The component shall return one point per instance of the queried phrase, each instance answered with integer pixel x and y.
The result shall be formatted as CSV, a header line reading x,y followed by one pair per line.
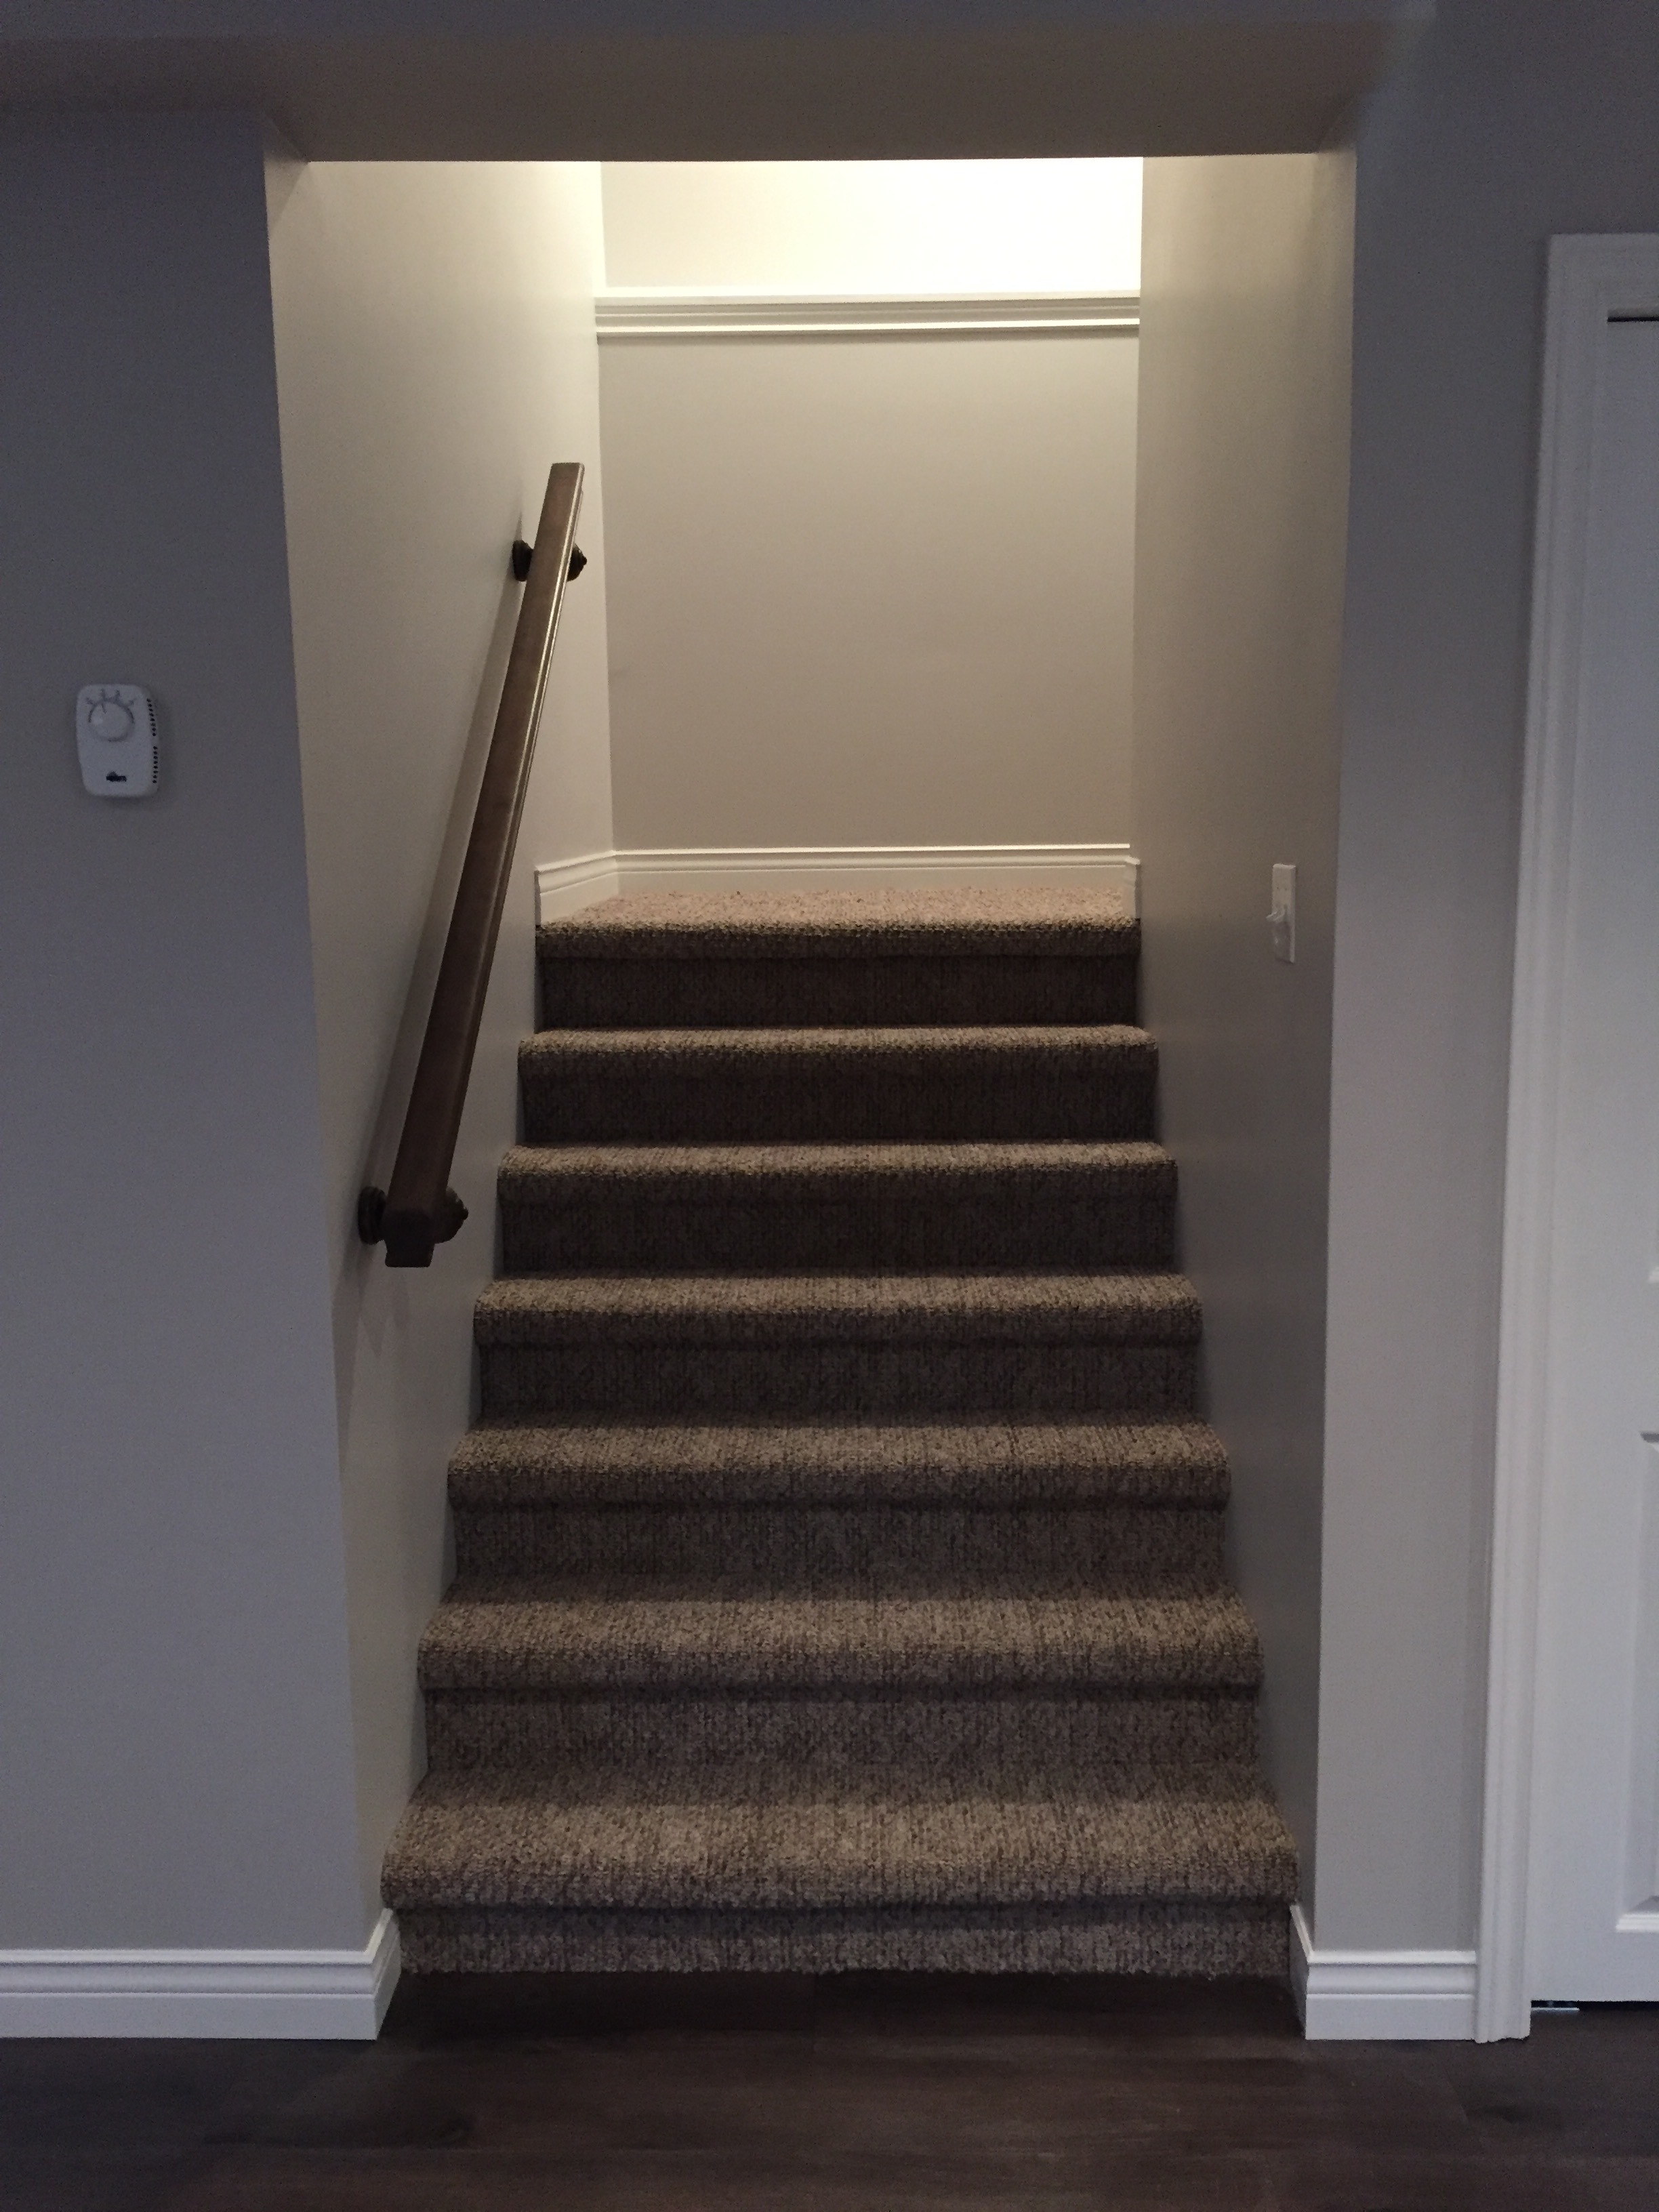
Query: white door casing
x,y
1569,1896
1593,1916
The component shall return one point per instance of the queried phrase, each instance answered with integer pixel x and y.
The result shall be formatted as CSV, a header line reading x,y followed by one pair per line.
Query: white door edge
x,y
1590,278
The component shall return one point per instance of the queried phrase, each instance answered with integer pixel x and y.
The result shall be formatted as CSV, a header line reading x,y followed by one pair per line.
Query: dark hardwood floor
x,y
862,2094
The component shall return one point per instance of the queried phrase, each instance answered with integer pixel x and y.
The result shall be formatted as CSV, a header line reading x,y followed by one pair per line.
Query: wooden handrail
x,y
420,1210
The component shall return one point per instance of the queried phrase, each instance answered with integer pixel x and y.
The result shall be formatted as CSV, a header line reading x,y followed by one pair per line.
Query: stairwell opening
x,y
917,809
842,1580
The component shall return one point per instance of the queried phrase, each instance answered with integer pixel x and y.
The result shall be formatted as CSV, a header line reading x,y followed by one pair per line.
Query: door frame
x,y
1590,278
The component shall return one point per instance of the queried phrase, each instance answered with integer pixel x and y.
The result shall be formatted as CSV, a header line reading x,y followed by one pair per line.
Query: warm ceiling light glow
x,y
901,228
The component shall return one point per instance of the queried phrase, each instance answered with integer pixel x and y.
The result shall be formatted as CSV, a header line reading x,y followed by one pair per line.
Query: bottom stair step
x,y
501,1841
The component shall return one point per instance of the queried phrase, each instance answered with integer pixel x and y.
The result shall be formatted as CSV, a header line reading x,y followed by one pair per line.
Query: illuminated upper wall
x,y
863,228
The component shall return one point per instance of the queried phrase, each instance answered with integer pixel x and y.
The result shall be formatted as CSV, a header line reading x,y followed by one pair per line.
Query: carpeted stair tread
x,y
477,1840
1078,1047
616,1085
497,1635
709,1174
858,924
1129,1308
991,1463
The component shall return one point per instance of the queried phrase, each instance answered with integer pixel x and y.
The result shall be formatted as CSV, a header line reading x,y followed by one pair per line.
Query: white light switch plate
x,y
1281,921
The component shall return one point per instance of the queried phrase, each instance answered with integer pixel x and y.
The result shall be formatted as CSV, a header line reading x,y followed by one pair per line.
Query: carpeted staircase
x,y
838,1562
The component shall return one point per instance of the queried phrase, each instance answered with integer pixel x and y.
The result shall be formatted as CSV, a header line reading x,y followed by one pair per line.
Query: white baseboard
x,y
335,1996
1380,1997
563,886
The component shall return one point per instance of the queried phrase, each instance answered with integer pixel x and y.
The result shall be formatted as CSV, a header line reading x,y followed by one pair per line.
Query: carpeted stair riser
x,y
803,1345
694,1378
751,1748
936,992
1124,1547
846,1209
1241,1940
754,1086
991,1463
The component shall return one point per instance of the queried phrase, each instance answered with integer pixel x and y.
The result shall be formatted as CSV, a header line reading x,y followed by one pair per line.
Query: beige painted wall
x,y
435,354
870,591
1247,299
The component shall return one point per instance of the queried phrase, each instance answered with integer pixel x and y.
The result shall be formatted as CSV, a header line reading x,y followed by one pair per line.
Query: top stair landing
x,y
859,959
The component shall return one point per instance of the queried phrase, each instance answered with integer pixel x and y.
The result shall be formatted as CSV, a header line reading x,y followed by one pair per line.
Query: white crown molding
x,y
1380,1997
668,315
337,1995
563,886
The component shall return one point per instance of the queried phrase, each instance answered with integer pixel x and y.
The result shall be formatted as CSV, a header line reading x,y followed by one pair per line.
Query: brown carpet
x,y
713,1085
886,925
840,1575
835,959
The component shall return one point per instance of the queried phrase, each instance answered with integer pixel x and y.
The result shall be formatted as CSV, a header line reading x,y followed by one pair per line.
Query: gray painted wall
x,y
224,1425
435,355
1508,124
746,79
1246,316
871,591
175,1729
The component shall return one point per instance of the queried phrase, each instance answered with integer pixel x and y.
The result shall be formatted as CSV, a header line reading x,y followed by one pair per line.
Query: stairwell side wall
x,y
174,1722
1243,477
435,354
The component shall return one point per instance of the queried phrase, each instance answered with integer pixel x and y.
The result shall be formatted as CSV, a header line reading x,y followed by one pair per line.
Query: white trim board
x,y
564,886
647,313
1380,1997
1590,279
332,1996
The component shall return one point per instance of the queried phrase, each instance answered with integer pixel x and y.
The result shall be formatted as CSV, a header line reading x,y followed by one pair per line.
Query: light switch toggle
x,y
118,740
1281,921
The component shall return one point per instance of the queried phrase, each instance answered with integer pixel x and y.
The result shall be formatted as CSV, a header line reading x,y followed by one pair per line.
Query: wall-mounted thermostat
x,y
117,737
